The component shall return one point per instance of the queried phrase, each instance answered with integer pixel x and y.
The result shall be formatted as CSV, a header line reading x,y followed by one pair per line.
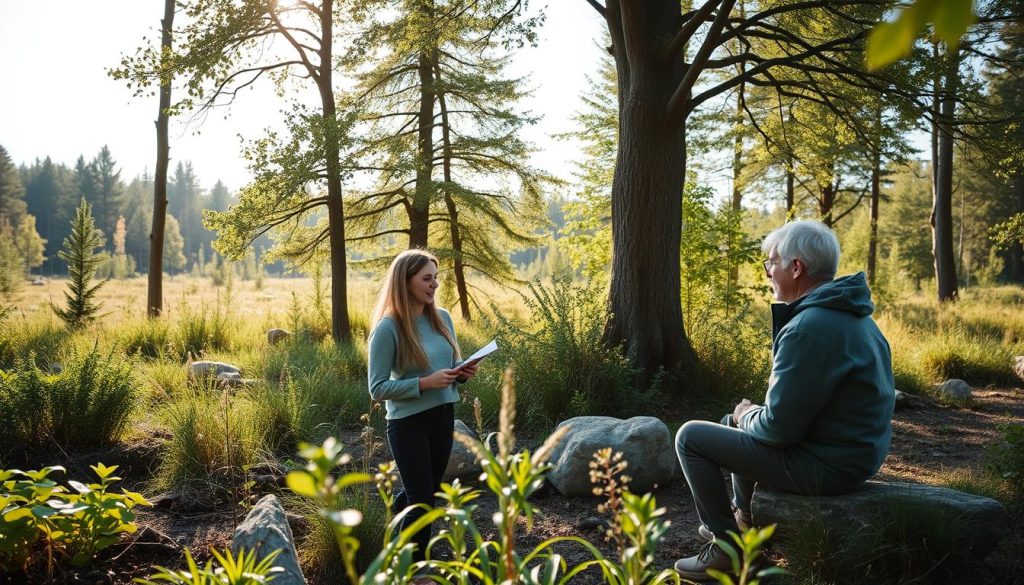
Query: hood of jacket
x,y
846,293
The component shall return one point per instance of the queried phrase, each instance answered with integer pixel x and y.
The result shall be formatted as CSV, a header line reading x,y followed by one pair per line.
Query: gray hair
x,y
814,243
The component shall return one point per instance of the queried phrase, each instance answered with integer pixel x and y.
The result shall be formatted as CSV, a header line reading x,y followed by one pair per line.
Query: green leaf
x,y
350,479
79,486
302,483
17,514
43,511
952,17
890,41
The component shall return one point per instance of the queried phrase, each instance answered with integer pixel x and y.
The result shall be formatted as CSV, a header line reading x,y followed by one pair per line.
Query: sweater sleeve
x,y
802,382
382,352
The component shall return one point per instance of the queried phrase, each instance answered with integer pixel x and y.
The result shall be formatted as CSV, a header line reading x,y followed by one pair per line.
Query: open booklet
x,y
481,353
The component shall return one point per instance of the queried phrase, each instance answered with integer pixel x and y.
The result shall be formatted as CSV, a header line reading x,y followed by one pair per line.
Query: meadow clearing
x,y
203,453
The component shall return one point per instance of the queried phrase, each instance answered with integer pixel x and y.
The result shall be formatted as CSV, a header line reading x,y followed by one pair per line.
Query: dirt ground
x,y
929,440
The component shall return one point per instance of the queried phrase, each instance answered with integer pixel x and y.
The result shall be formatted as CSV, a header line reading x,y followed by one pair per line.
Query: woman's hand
x,y
467,371
442,378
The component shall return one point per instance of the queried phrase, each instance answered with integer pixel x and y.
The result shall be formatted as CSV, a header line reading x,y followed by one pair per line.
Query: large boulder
x,y
645,443
462,463
204,368
266,529
976,521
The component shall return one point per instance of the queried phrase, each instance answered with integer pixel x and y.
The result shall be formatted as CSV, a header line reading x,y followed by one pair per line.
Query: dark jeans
x,y
421,444
705,448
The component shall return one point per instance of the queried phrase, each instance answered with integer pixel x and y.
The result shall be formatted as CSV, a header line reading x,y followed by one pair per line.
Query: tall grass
x,y
562,366
215,438
900,542
89,403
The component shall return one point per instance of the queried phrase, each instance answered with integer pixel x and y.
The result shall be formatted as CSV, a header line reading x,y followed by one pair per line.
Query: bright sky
x,y
56,99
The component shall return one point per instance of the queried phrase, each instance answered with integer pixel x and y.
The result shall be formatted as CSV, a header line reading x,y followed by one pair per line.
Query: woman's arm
x,y
382,350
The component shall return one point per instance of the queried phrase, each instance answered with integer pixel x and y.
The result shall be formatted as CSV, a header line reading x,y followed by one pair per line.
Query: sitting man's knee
x,y
688,433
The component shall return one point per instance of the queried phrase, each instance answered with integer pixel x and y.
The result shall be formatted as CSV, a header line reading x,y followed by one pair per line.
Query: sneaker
x,y
709,557
743,521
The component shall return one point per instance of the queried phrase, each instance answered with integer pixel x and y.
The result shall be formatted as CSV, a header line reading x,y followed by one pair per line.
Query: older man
x,y
826,422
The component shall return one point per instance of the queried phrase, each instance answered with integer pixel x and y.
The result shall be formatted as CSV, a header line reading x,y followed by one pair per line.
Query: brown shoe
x,y
709,557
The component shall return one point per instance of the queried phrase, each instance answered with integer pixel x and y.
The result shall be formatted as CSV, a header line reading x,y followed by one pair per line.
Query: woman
x,y
414,362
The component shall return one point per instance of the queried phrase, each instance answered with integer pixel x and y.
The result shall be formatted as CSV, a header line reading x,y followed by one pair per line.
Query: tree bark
x,y
155,284
876,172
340,327
419,212
826,202
942,203
645,310
453,212
790,188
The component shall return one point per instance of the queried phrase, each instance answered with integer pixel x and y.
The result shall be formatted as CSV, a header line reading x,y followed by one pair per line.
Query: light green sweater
x,y
401,390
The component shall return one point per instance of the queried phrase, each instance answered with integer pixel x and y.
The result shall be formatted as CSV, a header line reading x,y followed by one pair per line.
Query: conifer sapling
x,y
79,253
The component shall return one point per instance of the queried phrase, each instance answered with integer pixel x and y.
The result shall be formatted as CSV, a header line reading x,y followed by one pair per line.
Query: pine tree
x,y
12,192
110,195
79,252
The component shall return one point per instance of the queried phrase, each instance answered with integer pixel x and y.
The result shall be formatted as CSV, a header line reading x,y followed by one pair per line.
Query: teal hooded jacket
x,y
831,392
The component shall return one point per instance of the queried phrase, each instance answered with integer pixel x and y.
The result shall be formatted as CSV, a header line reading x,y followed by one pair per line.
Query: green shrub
x,y
563,368
959,354
735,359
1006,458
70,525
89,403
215,439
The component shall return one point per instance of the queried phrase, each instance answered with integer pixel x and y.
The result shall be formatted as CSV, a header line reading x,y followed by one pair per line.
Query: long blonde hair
x,y
395,301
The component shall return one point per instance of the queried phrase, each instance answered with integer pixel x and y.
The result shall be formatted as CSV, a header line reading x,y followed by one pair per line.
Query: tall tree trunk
x,y
155,285
1016,271
790,187
942,204
419,212
737,159
453,212
340,327
826,201
645,311
876,172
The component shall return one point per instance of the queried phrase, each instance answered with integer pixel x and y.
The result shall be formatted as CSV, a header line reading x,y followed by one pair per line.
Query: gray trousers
x,y
705,448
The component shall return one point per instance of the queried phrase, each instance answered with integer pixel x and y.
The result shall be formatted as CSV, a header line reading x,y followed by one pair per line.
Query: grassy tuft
x,y
89,403
216,436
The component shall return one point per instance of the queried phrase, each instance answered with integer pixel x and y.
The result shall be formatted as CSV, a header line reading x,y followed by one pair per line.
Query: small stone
x,y
39,282
207,368
955,389
275,336
1018,366
593,523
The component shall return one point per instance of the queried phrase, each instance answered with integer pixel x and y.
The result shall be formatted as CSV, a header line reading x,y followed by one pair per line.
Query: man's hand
x,y
741,409
442,378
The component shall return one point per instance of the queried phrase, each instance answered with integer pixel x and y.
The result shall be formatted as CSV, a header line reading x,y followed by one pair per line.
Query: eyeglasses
x,y
768,264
